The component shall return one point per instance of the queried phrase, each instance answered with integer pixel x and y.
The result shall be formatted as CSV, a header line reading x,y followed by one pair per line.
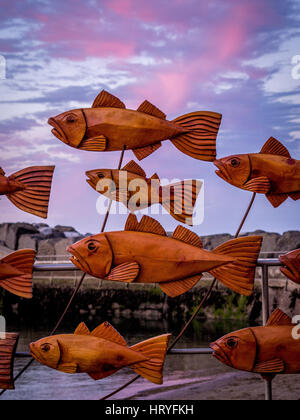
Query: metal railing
x,y
263,263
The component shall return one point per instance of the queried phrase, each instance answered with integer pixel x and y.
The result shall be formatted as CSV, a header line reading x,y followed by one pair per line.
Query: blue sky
x,y
236,58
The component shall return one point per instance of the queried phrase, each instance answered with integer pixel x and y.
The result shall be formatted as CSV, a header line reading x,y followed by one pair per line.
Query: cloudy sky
x,y
238,58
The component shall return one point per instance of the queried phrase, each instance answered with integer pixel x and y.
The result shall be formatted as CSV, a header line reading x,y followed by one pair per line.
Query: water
x,y
43,383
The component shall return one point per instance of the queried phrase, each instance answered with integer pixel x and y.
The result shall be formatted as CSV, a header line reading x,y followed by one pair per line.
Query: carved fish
x,y
8,347
101,353
131,187
268,350
109,126
291,265
16,273
272,172
143,253
29,189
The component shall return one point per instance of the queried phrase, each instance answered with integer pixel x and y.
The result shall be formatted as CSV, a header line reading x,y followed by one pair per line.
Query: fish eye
x,y
231,343
101,175
92,246
235,163
70,119
46,348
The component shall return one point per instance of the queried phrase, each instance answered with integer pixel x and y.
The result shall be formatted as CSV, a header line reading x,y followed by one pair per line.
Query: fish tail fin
x,y
239,274
34,199
199,138
179,199
21,284
155,350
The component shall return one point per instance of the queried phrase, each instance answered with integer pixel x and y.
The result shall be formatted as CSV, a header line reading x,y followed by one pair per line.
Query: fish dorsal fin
x,y
107,100
134,168
279,318
185,235
274,147
2,171
107,332
147,225
82,329
147,108
155,176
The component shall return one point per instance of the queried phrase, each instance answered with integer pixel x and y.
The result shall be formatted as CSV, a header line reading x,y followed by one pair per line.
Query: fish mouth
x,y
78,261
220,355
57,130
289,270
92,179
33,354
222,171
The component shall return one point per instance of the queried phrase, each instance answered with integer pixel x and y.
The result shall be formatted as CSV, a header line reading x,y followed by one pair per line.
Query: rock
x,y
11,232
289,241
64,229
4,251
46,231
61,247
28,242
213,241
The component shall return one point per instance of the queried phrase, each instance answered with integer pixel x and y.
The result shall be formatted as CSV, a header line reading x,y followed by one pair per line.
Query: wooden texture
x,y
101,353
175,263
29,189
291,265
272,172
268,350
16,273
8,348
131,187
109,126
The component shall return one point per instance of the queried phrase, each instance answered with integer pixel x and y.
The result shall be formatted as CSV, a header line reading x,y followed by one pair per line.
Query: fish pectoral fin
x,y
277,199
274,147
127,272
260,185
176,288
108,371
147,108
70,368
271,366
295,196
142,152
107,332
134,168
94,144
122,195
107,100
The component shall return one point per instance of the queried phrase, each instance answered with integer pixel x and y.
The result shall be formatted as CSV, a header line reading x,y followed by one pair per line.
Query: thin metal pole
x,y
266,315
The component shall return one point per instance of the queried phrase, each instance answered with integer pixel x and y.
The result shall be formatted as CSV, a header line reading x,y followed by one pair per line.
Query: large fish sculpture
x,y
268,350
16,273
29,189
143,253
291,265
272,172
109,126
131,187
101,353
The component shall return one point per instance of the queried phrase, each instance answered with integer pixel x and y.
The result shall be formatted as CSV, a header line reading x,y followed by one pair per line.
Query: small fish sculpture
x,y
143,253
272,172
29,189
8,347
291,265
268,350
16,273
101,353
131,187
109,126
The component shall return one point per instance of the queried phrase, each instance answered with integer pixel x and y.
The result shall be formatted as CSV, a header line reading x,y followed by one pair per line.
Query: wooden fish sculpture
x,y
16,273
131,187
102,353
29,189
109,126
291,265
143,253
268,350
8,347
272,172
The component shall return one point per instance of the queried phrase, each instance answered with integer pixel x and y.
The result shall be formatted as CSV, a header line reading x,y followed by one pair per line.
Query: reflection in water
x,y
40,382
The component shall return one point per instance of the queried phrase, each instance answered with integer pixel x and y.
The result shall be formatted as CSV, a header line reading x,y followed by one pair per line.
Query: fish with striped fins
x,y
131,187
16,273
101,353
143,253
109,126
29,189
